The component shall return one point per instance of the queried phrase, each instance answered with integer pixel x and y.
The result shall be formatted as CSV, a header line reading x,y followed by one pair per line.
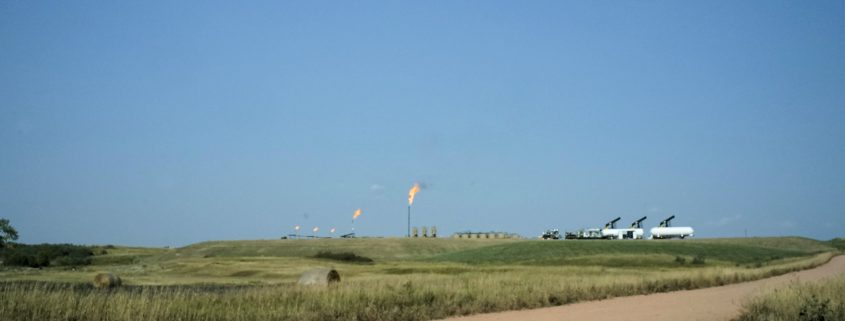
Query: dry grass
x,y
388,291
821,301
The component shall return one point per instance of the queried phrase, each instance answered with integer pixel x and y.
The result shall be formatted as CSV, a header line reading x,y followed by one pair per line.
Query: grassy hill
x,y
375,248
581,252
637,253
282,261
409,279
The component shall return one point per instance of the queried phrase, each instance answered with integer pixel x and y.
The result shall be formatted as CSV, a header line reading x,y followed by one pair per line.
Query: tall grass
x,y
821,301
396,296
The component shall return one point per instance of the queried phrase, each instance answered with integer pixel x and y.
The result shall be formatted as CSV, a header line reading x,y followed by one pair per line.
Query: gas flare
x,y
357,213
412,192
316,229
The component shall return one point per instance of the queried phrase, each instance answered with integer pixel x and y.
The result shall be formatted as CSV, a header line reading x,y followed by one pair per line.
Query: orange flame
x,y
357,213
413,192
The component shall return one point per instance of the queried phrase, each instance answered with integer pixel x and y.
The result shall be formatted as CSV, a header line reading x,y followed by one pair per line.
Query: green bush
x,y
71,261
43,255
343,256
20,259
838,243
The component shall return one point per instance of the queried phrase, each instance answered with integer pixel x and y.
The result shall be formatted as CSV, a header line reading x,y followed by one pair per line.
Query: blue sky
x,y
160,123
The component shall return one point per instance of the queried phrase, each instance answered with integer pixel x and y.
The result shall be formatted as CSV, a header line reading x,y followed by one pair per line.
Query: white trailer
x,y
665,231
623,233
671,232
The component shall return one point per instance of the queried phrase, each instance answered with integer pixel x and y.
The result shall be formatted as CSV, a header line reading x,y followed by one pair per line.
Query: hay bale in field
x,y
106,280
319,277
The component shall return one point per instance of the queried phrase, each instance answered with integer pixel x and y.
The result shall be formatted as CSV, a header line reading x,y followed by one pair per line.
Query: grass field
x,y
419,279
806,302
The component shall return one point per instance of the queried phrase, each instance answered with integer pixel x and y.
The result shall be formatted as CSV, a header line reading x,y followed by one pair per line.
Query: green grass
x,y
376,248
125,255
838,243
806,302
641,253
418,279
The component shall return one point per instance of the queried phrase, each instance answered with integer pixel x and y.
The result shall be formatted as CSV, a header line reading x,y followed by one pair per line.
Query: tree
x,y
7,232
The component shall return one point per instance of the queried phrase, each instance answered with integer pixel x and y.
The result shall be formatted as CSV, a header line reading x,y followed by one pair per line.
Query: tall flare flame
x,y
412,192
357,213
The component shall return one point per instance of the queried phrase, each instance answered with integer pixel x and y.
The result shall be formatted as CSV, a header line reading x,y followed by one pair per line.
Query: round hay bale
x,y
319,277
106,280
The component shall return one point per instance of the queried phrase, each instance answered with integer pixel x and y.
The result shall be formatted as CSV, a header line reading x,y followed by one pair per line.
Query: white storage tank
x,y
671,232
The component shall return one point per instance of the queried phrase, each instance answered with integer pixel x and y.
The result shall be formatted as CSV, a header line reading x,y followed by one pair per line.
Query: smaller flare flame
x,y
357,213
412,193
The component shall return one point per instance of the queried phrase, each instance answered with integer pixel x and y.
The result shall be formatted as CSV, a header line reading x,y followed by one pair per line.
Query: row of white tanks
x,y
662,231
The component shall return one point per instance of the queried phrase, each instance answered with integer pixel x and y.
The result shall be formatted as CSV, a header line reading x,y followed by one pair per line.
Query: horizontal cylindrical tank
x,y
611,233
671,232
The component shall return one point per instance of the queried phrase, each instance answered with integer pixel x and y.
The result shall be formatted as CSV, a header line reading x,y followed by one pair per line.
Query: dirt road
x,y
717,303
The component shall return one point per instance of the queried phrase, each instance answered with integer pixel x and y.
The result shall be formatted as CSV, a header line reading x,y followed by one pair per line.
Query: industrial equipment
x,y
553,234
423,232
482,235
612,224
634,232
638,223
665,231
584,234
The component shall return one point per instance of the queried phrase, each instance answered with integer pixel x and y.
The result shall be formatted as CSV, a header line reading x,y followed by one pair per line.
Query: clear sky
x,y
174,122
